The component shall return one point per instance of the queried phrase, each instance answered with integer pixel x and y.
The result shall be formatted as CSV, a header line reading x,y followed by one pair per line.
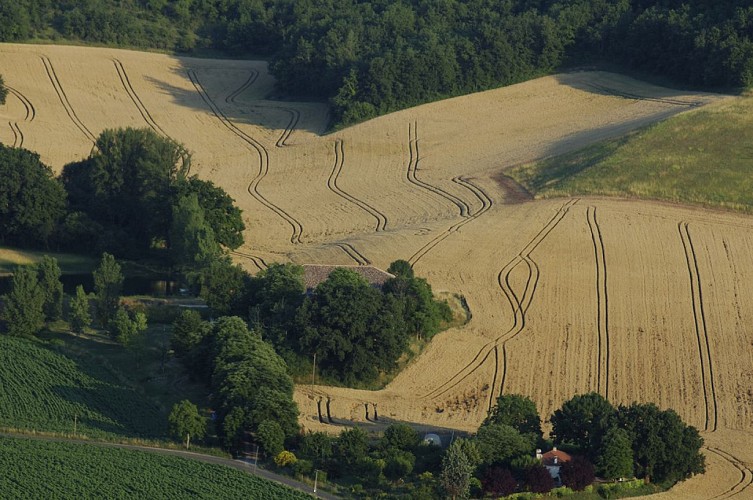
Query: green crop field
x,y
43,469
703,157
44,391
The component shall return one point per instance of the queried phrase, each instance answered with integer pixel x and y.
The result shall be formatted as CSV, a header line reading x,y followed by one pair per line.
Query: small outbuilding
x,y
432,438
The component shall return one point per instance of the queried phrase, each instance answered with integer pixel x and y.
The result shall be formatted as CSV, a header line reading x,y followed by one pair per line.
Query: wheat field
x,y
639,301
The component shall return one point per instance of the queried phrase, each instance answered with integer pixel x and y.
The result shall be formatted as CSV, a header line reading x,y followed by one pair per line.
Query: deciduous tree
x,y
518,412
49,273
24,314
616,455
78,316
583,421
185,422
108,282
577,473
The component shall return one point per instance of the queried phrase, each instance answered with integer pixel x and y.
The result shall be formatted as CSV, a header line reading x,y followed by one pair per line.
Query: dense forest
x,y
373,57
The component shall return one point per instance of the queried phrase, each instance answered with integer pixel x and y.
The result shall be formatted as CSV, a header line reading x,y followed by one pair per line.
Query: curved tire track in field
x,y
413,160
259,149
746,475
354,254
381,219
637,97
255,259
31,111
486,204
230,99
295,115
699,319
519,306
143,111
602,303
18,136
50,69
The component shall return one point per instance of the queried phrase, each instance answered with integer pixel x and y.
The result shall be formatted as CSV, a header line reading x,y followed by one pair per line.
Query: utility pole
x,y
75,421
256,458
313,373
316,478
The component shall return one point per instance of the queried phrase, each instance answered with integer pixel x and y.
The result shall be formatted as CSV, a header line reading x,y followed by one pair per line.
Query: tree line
x,y
132,197
625,442
372,57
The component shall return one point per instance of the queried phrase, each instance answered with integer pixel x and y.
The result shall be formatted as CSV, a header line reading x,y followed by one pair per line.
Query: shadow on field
x,y
237,106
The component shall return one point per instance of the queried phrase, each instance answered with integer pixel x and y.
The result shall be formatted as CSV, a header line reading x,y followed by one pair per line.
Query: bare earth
x,y
639,301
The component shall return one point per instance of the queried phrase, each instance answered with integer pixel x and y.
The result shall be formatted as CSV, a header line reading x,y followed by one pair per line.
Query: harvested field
x,y
640,301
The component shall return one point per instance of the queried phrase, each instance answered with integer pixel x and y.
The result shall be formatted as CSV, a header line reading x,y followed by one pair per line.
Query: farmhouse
x,y
553,460
315,274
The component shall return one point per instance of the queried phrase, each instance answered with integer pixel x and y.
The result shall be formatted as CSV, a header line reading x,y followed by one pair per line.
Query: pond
x,y
135,285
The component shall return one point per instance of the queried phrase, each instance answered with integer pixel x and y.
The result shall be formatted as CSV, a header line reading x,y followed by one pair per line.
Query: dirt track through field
x,y
564,296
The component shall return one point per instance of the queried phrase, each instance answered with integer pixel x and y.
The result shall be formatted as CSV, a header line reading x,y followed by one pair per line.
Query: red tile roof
x,y
555,457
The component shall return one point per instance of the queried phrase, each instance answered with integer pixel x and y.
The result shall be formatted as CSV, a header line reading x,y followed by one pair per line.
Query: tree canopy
x,y
32,202
3,90
518,412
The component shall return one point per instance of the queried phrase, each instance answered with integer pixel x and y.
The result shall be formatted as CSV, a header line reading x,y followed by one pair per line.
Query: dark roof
x,y
315,274
555,457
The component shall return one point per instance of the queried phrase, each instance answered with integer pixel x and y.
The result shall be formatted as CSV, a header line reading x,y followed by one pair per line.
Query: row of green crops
x,y
45,469
45,391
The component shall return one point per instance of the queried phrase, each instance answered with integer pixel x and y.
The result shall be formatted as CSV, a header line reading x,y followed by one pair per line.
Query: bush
x,y
285,459
303,467
399,464
577,473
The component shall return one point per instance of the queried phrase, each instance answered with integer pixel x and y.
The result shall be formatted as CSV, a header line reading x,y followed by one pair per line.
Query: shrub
x,y
302,467
285,459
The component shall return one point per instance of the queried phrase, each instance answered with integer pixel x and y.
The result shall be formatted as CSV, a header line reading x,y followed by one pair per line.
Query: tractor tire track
x,y
746,475
295,115
31,111
18,136
414,158
381,219
230,99
519,306
255,259
126,82
262,153
49,68
486,204
699,319
637,97
354,254
602,303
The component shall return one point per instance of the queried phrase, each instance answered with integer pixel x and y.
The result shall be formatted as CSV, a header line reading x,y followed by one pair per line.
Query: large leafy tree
x,y
128,186
185,422
49,273
276,295
664,447
340,323
518,412
32,202
78,315
456,473
616,455
108,283
577,473
24,313
583,421
192,240
225,287
501,443
220,213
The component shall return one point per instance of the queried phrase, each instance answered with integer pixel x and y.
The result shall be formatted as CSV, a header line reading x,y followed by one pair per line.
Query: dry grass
x,y
538,278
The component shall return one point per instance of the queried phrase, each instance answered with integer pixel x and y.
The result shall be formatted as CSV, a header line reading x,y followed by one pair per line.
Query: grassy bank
x,y
701,157
69,263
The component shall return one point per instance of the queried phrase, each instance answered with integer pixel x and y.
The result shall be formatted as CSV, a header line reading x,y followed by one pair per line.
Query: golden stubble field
x,y
639,301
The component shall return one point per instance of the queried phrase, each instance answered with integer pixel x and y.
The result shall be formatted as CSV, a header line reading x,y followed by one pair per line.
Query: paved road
x,y
245,466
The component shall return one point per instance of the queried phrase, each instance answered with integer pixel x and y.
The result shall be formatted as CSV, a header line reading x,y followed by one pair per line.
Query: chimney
x,y
538,453
554,448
